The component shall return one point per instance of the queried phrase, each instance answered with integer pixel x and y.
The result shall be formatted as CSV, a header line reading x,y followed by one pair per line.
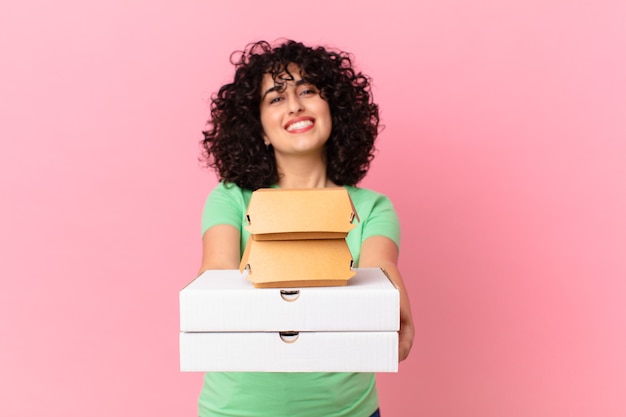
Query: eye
x,y
275,99
308,91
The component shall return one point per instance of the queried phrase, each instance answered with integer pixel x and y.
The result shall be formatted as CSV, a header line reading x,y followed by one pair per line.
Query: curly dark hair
x,y
233,143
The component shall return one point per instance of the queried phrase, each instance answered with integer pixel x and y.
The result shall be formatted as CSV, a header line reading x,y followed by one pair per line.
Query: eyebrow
x,y
278,87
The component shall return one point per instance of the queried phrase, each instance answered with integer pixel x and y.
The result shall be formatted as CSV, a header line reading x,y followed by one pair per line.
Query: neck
x,y
303,173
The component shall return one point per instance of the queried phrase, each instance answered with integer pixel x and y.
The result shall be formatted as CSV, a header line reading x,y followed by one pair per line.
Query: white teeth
x,y
299,125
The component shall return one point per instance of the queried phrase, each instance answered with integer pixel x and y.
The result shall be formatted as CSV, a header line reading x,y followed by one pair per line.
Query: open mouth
x,y
300,125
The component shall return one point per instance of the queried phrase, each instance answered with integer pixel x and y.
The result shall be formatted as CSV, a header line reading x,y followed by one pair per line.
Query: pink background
x,y
504,152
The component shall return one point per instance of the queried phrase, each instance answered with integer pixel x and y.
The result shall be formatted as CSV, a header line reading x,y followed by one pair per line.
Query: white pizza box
x,y
225,301
289,352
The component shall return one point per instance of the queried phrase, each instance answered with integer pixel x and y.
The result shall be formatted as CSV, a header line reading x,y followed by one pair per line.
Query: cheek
x,y
265,120
328,117
270,115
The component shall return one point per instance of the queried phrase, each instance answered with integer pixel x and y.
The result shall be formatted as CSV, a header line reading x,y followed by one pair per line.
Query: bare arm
x,y
220,248
382,252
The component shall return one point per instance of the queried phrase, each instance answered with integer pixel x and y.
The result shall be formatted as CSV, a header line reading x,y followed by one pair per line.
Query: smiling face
x,y
296,120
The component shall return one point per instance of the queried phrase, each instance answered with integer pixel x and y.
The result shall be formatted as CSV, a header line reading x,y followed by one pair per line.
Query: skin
x,y
300,162
298,151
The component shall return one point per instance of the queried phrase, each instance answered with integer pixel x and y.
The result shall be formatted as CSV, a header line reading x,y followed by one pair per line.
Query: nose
x,y
295,105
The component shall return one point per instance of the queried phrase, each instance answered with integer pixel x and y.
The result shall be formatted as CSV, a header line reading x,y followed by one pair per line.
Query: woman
x,y
295,117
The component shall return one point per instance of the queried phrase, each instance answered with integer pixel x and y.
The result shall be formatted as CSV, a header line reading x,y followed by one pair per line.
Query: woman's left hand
x,y
382,252
405,335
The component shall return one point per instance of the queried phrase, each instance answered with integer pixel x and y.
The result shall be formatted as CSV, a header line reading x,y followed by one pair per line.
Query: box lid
x,y
275,213
225,300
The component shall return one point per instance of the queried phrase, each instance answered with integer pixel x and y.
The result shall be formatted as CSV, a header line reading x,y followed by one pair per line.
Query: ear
x,y
266,140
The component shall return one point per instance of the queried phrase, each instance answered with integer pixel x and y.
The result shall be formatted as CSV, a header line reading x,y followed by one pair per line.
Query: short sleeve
x,y
377,217
225,205
382,220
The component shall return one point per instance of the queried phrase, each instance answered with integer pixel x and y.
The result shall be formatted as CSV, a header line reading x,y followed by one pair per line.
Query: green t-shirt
x,y
311,394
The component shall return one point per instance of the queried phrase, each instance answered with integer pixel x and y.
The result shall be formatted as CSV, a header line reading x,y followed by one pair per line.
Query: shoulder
x,y
226,204
230,188
365,198
377,215
225,192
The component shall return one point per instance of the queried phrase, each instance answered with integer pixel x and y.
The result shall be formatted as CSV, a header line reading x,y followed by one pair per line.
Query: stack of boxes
x,y
298,238
296,304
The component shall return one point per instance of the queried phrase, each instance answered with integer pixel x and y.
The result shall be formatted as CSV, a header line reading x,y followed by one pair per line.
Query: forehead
x,y
288,77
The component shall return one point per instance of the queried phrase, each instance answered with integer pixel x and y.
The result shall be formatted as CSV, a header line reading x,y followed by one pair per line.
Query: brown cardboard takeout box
x,y
298,237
